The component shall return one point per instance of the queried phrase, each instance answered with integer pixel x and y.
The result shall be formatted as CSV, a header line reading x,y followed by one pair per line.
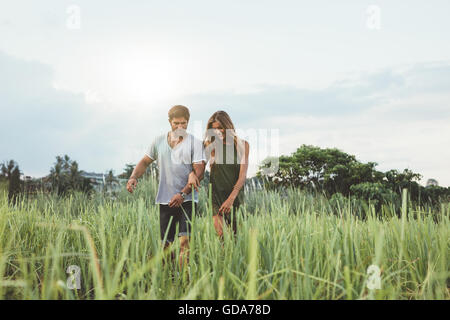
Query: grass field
x,y
293,246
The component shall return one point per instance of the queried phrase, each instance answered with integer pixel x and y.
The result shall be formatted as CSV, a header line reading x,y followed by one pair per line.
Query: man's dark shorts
x,y
180,215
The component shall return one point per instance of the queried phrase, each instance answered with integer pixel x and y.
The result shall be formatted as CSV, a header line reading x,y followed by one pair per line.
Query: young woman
x,y
228,158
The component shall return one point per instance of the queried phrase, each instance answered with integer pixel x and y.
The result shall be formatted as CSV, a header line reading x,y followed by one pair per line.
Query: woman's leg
x,y
218,224
230,220
218,220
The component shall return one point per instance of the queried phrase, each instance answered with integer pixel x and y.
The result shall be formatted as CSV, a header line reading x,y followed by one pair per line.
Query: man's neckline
x,y
176,146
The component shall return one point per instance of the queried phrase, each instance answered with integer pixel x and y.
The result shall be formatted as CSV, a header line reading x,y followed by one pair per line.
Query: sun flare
x,y
141,76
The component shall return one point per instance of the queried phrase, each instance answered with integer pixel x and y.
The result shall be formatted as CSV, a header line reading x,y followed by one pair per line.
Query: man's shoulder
x,y
194,139
159,138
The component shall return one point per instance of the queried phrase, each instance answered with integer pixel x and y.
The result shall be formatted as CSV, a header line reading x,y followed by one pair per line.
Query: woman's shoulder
x,y
243,142
243,145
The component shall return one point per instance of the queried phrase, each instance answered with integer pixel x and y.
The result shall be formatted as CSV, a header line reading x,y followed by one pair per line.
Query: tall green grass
x,y
290,246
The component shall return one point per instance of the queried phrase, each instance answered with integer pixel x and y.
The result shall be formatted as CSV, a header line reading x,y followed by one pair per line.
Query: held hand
x,y
226,206
193,181
176,201
131,184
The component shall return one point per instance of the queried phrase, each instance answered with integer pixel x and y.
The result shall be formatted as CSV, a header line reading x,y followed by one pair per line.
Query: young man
x,y
177,153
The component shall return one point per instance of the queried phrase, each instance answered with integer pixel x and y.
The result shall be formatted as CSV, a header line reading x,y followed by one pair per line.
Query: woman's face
x,y
220,131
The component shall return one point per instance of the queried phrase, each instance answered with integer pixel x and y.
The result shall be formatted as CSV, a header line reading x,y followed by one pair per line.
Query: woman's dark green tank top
x,y
224,176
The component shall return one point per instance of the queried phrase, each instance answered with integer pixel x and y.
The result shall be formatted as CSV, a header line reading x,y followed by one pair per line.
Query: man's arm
x,y
198,166
138,171
197,154
140,168
177,199
198,171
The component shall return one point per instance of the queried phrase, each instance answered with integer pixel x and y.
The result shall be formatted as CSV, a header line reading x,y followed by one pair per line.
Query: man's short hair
x,y
179,111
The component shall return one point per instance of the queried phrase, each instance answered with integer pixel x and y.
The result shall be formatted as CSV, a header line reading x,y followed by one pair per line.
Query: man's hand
x,y
131,184
226,206
176,201
193,181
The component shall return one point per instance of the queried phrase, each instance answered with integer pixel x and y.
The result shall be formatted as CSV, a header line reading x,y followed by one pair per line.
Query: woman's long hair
x,y
210,143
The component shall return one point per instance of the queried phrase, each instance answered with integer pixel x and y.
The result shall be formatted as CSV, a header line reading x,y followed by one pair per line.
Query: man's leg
x,y
167,224
184,229
184,251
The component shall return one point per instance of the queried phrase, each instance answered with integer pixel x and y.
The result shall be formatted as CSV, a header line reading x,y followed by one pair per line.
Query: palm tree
x,y
56,175
14,185
110,179
7,168
10,171
74,176
65,176
66,162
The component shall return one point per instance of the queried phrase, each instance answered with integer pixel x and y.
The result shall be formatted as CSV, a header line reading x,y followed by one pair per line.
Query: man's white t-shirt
x,y
175,164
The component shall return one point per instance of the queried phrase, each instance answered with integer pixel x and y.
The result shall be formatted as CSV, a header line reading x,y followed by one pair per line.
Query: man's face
x,y
178,123
179,126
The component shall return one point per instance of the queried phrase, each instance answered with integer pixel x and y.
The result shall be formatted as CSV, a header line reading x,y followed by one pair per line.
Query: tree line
x,y
338,174
329,171
64,178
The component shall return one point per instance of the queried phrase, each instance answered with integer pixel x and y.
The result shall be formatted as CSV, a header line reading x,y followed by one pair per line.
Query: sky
x,y
95,80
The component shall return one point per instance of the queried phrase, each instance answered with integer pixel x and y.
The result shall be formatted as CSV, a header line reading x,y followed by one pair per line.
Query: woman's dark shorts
x,y
176,215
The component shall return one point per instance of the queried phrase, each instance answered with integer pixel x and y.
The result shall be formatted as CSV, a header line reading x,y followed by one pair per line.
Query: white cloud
x,y
397,135
398,118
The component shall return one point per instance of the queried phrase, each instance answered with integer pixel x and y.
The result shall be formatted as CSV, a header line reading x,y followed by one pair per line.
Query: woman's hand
x,y
226,206
193,181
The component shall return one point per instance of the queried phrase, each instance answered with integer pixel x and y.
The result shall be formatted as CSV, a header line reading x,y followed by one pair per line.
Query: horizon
x,y
423,182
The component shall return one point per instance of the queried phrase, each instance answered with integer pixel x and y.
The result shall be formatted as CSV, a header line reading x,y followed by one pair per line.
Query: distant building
x,y
33,185
432,182
98,178
98,181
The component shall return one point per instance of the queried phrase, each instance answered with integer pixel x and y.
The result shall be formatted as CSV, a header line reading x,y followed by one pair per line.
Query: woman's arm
x,y
226,206
242,174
